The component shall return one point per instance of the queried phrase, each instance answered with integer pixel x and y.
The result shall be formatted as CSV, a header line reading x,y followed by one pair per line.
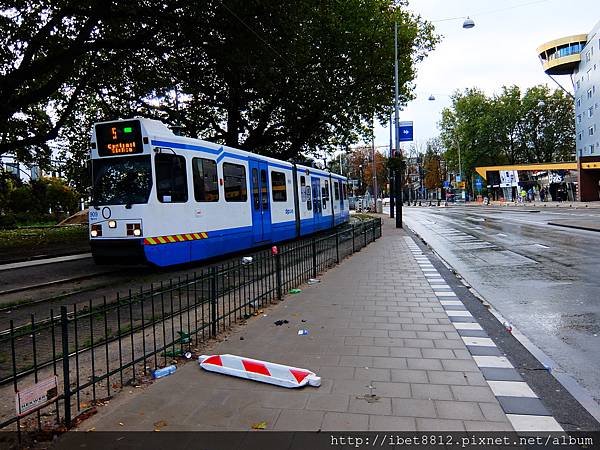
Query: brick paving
x,y
375,326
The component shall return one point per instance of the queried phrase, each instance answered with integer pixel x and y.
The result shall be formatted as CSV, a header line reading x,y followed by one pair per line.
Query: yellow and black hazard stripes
x,y
175,238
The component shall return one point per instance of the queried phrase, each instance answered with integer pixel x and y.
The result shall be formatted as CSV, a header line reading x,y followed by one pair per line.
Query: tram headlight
x,y
112,224
134,229
96,230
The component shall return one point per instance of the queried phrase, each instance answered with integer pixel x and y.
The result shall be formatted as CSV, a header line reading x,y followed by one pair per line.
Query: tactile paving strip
x,y
523,408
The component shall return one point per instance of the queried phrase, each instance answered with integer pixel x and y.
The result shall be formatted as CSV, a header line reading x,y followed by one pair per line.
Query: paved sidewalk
x,y
374,320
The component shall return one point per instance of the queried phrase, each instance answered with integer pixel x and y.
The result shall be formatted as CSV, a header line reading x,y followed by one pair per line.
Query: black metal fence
x,y
102,346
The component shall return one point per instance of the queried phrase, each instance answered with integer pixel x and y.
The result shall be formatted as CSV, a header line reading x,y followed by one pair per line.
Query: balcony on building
x,y
562,56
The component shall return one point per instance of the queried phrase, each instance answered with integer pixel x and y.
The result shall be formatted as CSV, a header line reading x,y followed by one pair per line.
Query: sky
x,y
499,51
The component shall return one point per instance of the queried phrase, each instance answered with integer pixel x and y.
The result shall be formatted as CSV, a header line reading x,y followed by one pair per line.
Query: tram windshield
x,y
121,180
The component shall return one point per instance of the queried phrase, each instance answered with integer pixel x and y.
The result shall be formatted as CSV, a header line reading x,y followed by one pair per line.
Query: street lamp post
x,y
398,174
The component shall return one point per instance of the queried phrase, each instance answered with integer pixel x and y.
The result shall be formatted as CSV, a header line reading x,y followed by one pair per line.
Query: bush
x,y
40,201
7,221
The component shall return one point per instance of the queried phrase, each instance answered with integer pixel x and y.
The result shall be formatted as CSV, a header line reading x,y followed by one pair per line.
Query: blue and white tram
x,y
168,199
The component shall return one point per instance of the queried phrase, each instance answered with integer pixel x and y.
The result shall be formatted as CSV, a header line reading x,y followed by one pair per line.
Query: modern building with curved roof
x,y
579,57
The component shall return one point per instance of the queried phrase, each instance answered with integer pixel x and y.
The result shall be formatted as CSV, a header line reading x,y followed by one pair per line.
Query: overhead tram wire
x,y
487,12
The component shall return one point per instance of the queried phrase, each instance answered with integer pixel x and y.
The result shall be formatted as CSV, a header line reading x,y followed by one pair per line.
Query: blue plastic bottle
x,y
165,371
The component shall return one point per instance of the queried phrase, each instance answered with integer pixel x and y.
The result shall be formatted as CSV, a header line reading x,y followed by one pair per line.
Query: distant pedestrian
x,y
523,195
542,194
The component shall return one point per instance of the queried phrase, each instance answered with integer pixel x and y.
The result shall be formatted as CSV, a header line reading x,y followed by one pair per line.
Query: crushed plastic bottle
x,y
508,326
164,372
247,260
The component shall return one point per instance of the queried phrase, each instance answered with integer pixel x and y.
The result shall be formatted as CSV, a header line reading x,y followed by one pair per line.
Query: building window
x,y
592,148
234,176
588,55
589,93
206,183
591,131
171,179
577,84
278,186
579,102
578,118
591,112
579,136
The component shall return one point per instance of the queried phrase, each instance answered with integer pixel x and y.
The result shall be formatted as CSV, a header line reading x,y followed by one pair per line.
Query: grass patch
x,y
20,238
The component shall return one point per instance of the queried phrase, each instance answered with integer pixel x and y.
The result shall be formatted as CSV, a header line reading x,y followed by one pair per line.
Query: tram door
x,y
317,205
261,207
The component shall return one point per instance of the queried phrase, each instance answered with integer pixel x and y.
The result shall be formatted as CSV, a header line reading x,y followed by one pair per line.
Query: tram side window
x,y
171,179
345,186
235,182
305,193
206,182
336,190
325,194
278,186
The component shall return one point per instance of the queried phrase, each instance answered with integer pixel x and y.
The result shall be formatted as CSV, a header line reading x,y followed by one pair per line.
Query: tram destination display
x,y
119,138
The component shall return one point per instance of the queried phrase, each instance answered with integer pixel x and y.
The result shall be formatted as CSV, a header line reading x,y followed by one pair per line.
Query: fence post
x,y
337,247
278,275
213,300
373,240
64,323
353,244
314,258
14,371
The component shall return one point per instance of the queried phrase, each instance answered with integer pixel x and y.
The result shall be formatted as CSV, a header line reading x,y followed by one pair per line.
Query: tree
x,y
432,165
508,128
51,52
271,76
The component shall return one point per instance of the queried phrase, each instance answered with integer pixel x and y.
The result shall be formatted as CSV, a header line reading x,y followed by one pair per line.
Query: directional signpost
x,y
405,130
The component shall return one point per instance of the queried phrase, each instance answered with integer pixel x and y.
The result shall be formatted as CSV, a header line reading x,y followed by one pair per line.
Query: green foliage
x,y
278,77
44,200
507,128
25,238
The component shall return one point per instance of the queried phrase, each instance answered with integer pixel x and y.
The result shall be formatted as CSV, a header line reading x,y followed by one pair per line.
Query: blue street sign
x,y
458,178
478,183
405,130
446,184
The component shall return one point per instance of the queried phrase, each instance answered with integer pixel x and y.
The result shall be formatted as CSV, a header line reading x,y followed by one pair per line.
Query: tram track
x,y
19,302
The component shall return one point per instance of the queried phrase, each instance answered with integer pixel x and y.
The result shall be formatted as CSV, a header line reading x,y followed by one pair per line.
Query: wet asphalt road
x,y
543,278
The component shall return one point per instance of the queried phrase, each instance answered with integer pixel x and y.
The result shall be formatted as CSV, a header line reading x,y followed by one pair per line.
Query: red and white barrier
x,y
263,371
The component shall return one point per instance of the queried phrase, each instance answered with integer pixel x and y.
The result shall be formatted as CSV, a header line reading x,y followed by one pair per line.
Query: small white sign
x,y
34,397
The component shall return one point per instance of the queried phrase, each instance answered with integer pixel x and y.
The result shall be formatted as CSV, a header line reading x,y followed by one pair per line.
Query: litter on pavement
x,y
164,372
280,322
313,281
260,425
263,371
295,291
302,332
247,260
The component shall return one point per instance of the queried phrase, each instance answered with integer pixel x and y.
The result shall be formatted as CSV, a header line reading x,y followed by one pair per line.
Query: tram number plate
x,y
34,397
